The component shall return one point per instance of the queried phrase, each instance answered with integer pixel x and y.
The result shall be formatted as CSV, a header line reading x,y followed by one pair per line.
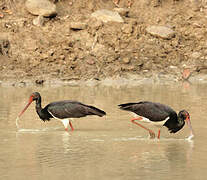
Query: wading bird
x,y
158,114
62,110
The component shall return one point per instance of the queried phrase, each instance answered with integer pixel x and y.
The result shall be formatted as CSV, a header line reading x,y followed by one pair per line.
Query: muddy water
x,y
101,148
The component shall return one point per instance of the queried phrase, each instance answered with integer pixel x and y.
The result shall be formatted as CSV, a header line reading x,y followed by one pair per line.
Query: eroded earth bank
x,y
99,39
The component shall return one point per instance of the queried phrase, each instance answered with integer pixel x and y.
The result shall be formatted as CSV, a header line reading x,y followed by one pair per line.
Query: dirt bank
x,y
101,50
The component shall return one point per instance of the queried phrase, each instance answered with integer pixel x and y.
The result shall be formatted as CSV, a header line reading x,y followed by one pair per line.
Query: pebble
x,y
41,7
127,28
78,25
4,46
195,55
122,11
161,31
126,60
107,15
95,24
39,21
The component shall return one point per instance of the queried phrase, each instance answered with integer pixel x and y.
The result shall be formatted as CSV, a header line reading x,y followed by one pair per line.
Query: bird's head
x,y
185,116
33,97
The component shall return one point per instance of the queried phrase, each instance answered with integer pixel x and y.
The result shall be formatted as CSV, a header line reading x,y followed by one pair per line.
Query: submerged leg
x,y
71,126
65,123
158,135
152,134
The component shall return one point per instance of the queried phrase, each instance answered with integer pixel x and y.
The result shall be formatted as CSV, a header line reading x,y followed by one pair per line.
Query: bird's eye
x,y
186,116
32,96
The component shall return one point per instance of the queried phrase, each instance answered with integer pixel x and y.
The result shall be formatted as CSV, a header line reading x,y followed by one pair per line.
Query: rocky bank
x,y
69,40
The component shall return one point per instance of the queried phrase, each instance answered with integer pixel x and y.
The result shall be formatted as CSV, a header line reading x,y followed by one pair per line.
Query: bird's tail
x,y
127,106
96,111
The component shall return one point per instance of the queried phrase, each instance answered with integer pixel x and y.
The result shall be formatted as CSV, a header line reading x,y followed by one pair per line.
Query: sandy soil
x,y
102,50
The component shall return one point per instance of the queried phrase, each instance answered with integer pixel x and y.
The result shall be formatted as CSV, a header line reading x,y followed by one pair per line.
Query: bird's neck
x,y
38,105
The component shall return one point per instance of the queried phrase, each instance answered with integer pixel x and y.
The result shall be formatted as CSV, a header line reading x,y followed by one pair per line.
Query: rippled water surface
x,y
110,147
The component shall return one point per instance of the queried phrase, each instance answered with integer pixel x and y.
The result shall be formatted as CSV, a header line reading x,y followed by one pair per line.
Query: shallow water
x,y
110,147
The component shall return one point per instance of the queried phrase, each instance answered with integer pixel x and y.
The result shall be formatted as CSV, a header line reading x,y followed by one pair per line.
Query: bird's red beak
x,y
30,101
189,124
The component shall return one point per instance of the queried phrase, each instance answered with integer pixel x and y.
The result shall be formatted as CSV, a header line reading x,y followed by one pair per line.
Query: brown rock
x,y
126,60
186,74
95,24
39,81
127,28
122,11
195,55
34,62
1,15
78,25
62,57
41,7
4,46
106,16
161,31
90,62
39,21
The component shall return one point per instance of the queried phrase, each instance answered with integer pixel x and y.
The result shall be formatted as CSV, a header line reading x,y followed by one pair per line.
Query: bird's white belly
x,y
64,121
146,120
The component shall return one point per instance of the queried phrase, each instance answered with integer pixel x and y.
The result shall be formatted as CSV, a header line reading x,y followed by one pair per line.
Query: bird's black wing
x,y
72,109
150,110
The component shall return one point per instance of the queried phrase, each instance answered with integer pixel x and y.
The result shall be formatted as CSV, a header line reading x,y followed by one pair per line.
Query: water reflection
x,y
66,142
159,159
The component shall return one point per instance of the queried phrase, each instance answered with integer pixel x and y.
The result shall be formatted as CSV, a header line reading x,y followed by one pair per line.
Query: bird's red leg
x,y
152,134
71,126
158,136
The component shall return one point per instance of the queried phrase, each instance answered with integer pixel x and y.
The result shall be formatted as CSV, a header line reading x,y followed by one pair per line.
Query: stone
x,y
90,61
126,60
4,46
161,31
95,24
1,15
34,62
127,28
78,25
62,57
39,21
156,3
186,73
122,11
39,81
30,44
41,7
106,16
196,5
195,55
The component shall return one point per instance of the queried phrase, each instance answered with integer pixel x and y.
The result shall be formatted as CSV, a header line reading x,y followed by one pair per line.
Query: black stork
x,y
62,110
158,114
